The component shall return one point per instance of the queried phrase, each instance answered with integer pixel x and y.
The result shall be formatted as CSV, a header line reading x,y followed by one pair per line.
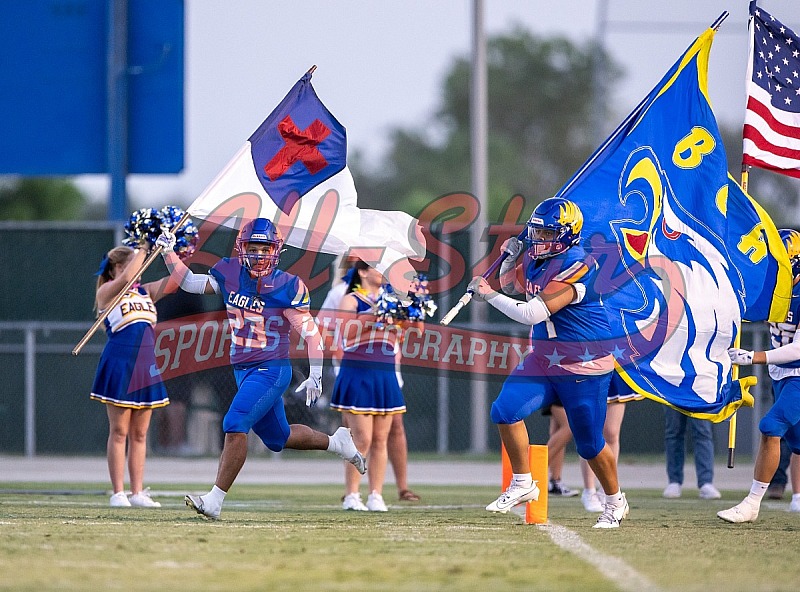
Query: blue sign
x,y
53,86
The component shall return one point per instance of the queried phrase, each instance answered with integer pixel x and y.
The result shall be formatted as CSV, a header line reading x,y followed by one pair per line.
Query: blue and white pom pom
x,y
145,226
419,306
422,305
186,236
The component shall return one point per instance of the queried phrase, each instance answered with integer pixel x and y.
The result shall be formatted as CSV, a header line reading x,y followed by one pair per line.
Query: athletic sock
x,y
215,497
522,479
333,445
757,491
614,499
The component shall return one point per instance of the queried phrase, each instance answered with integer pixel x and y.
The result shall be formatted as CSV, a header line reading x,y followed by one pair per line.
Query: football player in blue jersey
x,y
263,305
570,361
783,418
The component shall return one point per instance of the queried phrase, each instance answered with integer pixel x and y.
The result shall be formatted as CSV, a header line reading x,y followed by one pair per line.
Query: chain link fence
x,y
44,400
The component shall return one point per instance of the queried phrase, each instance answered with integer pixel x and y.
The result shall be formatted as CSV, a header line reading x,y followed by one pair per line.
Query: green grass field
x,y
296,538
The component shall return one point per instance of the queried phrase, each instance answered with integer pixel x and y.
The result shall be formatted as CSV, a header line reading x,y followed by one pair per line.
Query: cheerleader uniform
x,y
620,392
367,383
127,375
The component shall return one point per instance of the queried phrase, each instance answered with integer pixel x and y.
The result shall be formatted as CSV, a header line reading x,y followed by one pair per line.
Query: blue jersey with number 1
x,y
579,332
255,307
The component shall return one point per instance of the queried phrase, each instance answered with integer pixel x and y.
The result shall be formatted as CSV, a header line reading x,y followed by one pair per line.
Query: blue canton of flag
x,y
298,146
684,253
772,120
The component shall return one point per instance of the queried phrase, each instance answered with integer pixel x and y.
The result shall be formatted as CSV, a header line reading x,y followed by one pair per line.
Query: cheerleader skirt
x,y
367,389
127,376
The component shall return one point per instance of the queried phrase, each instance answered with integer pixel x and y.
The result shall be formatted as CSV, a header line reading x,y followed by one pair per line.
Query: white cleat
x,y
143,500
375,503
612,515
513,496
795,505
119,500
352,501
672,491
344,446
196,503
742,512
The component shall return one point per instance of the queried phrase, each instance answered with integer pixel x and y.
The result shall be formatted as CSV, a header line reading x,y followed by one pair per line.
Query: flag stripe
x,y
759,141
760,117
752,161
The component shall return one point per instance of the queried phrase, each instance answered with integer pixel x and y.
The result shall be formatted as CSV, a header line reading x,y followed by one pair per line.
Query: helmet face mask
x,y
554,227
259,247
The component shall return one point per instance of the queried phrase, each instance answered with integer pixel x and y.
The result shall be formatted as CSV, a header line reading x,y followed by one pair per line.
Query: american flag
x,y
772,120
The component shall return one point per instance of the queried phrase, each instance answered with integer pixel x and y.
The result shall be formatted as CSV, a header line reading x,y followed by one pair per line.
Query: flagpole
x,y
735,367
467,297
102,317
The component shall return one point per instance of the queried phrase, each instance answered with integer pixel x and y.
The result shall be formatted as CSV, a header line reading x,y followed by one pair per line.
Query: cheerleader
x,y
366,391
127,380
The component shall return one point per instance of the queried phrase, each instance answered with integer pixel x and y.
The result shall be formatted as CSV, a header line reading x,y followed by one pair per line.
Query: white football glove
x,y
513,247
740,356
477,284
312,386
166,240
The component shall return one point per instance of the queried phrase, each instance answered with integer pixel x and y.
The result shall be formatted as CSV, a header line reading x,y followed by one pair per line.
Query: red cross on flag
x,y
293,170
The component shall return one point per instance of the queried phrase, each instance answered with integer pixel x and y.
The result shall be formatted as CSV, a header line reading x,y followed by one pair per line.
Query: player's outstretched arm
x,y
195,283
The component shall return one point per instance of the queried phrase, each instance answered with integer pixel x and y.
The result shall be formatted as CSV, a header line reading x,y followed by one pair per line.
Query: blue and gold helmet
x,y
554,227
791,240
259,231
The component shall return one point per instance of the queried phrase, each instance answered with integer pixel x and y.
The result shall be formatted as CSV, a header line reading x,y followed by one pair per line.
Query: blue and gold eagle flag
x,y
684,253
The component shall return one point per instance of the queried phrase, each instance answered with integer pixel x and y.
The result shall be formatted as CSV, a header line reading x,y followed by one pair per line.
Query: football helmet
x,y
259,231
791,240
554,227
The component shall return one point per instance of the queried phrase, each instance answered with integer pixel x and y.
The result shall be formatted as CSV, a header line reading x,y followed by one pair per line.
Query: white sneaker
x,y
744,511
591,501
709,492
375,503
673,491
612,514
143,500
119,500
343,445
197,503
557,488
514,496
795,505
352,501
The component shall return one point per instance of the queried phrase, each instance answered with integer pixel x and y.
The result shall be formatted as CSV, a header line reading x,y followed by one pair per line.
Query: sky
x,y
380,65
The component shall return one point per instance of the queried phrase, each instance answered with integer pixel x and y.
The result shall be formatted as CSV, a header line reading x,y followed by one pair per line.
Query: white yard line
x,y
613,568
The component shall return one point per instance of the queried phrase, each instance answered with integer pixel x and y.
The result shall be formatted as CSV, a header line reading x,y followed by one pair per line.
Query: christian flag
x,y
684,253
772,120
293,170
